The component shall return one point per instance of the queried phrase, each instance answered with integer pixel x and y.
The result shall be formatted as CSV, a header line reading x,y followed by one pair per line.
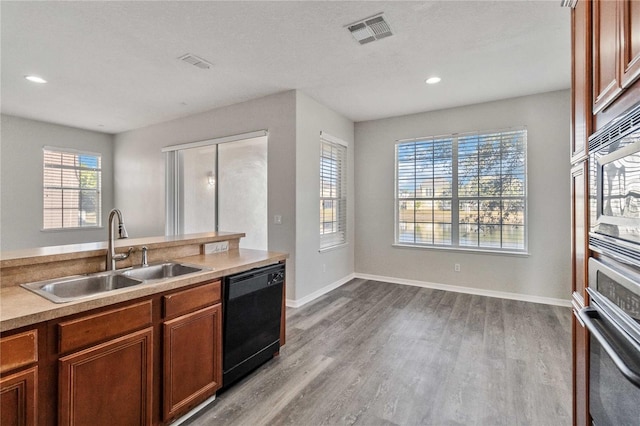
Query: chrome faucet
x,y
112,257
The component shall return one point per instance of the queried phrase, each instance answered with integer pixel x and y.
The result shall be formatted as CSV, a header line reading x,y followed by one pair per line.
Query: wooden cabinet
x,y
18,384
192,364
18,399
630,41
192,348
615,34
580,79
579,230
579,280
108,384
108,379
606,54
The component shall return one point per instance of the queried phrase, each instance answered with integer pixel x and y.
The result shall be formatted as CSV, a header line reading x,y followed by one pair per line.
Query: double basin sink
x,y
60,290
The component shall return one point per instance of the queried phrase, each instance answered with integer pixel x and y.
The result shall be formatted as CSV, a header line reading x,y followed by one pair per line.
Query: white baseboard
x,y
296,303
469,290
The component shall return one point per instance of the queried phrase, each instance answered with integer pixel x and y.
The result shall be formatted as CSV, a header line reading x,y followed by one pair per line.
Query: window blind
x,y
72,183
463,190
333,192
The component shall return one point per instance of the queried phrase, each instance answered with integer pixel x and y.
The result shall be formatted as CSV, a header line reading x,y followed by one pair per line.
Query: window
x,y
72,183
333,192
464,191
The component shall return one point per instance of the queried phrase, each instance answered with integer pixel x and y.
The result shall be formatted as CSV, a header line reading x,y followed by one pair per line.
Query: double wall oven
x,y
613,314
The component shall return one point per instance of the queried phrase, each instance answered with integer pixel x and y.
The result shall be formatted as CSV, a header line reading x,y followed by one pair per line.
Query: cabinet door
x,y
580,78
630,41
606,58
579,229
18,399
108,384
192,359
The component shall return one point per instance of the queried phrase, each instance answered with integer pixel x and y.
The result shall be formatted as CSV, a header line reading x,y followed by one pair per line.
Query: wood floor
x,y
372,353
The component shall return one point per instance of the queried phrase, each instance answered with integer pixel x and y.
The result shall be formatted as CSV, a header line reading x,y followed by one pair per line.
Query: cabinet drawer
x,y
192,299
97,328
18,350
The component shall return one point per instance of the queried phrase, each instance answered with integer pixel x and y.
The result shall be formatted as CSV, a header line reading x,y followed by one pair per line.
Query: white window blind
x,y
333,192
463,191
72,184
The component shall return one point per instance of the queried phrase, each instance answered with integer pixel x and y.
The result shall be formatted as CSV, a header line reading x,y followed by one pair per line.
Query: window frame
x,y
337,238
98,191
456,198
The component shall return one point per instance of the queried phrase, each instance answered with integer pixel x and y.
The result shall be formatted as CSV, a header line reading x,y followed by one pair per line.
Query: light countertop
x,y
20,307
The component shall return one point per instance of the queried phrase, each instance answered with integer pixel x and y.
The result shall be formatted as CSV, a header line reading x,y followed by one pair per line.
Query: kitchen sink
x,y
78,287
62,290
160,271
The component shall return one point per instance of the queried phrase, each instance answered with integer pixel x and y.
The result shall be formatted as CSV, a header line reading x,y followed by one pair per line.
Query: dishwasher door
x,y
252,313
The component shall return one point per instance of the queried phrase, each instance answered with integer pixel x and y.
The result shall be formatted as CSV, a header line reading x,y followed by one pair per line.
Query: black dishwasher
x,y
252,309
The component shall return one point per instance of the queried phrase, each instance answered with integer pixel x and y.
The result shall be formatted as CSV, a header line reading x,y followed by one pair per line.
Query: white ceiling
x,y
112,66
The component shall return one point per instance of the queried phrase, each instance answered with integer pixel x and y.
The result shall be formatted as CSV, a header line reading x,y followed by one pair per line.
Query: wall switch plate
x,y
218,247
277,219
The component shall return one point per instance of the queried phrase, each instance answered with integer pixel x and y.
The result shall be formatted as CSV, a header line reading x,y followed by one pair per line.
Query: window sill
x,y
336,247
464,250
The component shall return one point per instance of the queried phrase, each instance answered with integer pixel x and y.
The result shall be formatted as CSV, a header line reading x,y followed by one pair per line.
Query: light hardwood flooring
x,y
372,353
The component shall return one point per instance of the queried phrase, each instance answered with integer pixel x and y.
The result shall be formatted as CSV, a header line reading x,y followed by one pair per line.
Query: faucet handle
x,y
145,259
123,256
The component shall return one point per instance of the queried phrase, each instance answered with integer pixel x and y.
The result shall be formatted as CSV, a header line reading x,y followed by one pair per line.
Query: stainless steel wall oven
x,y
613,321
615,188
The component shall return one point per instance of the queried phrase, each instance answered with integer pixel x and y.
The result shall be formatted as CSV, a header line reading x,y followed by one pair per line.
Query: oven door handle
x,y
613,339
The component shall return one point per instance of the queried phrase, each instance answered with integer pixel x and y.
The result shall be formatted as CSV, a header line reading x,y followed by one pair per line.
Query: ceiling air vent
x,y
196,61
370,29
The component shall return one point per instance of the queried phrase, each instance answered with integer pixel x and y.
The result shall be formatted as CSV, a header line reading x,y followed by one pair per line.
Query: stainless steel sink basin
x,y
161,271
62,290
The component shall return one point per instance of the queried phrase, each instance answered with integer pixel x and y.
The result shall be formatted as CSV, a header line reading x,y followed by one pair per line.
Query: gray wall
x,y
139,166
545,273
317,270
21,144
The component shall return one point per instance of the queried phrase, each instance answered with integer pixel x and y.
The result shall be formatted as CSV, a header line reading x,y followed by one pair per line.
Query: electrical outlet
x,y
277,219
456,267
218,247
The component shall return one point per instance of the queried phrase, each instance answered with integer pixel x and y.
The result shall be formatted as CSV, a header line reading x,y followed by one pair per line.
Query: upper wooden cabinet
x,y
630,38
616,49
606,54
580,79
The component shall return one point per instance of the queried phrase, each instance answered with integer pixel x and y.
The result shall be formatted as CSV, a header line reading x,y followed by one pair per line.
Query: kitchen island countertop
x,y
20,307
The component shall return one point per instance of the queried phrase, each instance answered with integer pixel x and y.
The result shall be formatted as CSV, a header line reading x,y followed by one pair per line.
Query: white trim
x,y
215,141
296,303
501,252
326,136
336,247
469,290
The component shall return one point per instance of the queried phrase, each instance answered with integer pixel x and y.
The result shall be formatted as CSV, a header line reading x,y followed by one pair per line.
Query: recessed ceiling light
x,y
433,80
35,79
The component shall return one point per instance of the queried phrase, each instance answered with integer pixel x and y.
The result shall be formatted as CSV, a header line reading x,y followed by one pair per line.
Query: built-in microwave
x,y
615,188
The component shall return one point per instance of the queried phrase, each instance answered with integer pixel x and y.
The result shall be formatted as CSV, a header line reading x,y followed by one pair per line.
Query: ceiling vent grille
x,y
370,29
196,61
